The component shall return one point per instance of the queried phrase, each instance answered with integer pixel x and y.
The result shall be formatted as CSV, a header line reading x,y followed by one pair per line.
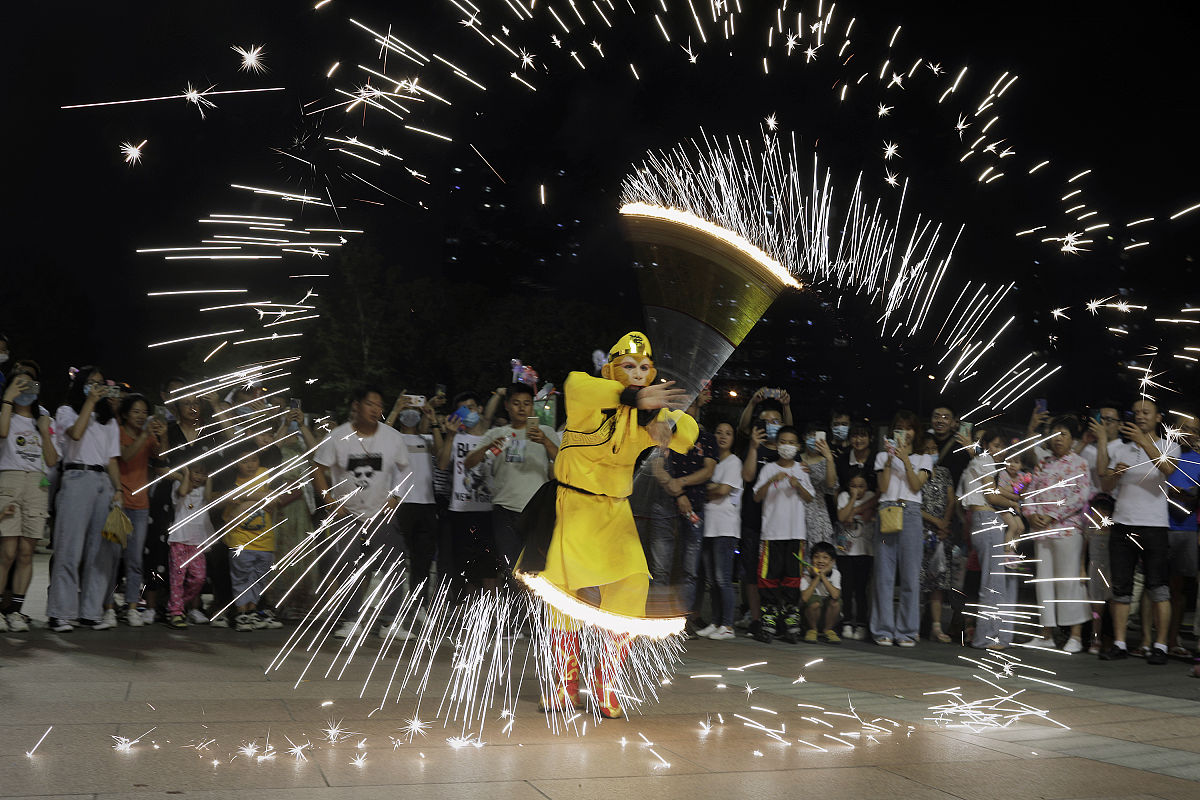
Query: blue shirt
x,y
1185,477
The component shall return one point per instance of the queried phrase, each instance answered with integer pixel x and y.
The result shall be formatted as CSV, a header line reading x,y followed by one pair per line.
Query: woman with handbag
x,y
898,547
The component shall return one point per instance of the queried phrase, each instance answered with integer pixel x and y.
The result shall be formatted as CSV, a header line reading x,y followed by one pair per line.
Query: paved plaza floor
x,y
198,712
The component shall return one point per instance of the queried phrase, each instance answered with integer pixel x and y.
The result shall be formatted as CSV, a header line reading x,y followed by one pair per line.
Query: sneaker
x,y
906,643
848,632
722,633
1114,653
1045,642
832,637
1094,647
149,615
1157,656
422,616
396,631
177,621
244,622
61,625
345,630
883,641
759,632
860,633
266,621
707,631
744,622
3,623
811,636
108,621
1073,645
133,617
219,621
16,621
196,617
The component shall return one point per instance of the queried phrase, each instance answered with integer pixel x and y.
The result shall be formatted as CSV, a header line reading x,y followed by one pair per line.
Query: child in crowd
x,y
192,530
251,541
821,593
857,523
783,488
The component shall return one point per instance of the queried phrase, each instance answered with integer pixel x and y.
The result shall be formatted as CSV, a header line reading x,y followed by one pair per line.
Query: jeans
x,y
691,536
997,585
134,545
82,506
248,572
899,552
718,568
658,539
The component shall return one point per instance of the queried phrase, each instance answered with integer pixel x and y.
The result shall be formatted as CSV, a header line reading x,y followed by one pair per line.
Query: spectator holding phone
x,y
762,400
520,457
27,452
817,459
761,450
416,519
143,437
1139,466
470,552
90,444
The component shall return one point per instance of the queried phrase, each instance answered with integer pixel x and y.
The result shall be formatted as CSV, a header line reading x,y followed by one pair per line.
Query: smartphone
x,y
113,391
294,402
965,429
900,436
417,400
532,422
820,436
1039,406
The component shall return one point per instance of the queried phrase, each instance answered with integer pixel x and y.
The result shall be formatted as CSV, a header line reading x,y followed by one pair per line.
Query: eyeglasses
x,y
1110,419
943,416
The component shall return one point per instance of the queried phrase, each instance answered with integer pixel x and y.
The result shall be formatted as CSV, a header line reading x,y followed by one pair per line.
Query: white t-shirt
x,y
22,448
856,537
369,467
520,469
419,487
835,579
723,516
1090,454
783,507
194,529
898,488
471,490
978,479
98,444
1140,498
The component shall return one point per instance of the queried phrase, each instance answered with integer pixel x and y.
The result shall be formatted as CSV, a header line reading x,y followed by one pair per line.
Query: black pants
x,y
1127,544
856,581
779,572
473,546
418,524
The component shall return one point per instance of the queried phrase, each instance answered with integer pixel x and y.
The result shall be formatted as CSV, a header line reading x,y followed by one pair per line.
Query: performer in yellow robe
x,y
611,420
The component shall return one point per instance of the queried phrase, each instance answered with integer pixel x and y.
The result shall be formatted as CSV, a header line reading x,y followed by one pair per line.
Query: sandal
x,y
1179,652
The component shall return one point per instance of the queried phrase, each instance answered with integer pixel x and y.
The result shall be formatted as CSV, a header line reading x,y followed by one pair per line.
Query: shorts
x,y
1183,552
820,600
1127,545
29,499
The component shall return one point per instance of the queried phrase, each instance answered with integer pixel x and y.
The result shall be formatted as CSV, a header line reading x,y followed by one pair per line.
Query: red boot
x,y
566,672
605,681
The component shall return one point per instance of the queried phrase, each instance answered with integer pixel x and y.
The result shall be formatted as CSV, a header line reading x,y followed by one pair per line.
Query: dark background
x,y
469,269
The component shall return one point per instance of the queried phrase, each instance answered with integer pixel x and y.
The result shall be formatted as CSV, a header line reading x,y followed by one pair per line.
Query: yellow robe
x,y
595,542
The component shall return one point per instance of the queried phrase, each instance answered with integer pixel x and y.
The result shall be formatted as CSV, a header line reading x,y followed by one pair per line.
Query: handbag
x,y
891,519
117,527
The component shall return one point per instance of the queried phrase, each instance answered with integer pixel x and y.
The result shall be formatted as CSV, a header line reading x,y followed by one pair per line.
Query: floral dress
x,y
817,525
940,560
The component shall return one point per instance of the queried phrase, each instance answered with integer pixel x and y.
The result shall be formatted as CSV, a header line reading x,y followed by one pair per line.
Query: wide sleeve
x,y
686,430
585,391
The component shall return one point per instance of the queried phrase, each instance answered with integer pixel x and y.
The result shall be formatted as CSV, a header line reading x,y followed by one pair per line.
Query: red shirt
x,y
135,473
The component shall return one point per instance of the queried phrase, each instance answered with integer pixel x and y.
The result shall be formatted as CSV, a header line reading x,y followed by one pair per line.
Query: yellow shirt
x,y
602,439
249,532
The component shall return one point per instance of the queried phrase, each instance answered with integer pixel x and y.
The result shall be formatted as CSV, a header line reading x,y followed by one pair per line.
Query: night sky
x,y
1114,93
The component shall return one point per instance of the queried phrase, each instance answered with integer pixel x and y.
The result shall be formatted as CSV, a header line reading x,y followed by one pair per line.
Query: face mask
x,y
811,443
3,358
470,419
840,432
87,389
410,417
25,399
773,430
787,451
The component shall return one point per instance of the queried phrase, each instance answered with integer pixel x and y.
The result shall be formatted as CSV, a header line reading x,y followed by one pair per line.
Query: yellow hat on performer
x,y
634,343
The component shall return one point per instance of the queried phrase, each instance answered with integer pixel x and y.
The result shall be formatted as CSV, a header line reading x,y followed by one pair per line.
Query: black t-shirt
x,y
752,510
868,468
693,461
956,462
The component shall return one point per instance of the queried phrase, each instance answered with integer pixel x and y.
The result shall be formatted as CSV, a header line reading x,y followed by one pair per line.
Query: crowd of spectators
x,y
920,527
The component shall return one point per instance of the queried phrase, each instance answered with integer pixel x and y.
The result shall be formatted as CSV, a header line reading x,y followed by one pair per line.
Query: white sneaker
x,y
744,622
906,643
196,617
398,632
345,630
266,622
17,622
133,617
149,615
847,631
422,616
108,621
221,621
61,625
1045,641
706,631
244,622
3,623
722,633
1073,645
860,633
